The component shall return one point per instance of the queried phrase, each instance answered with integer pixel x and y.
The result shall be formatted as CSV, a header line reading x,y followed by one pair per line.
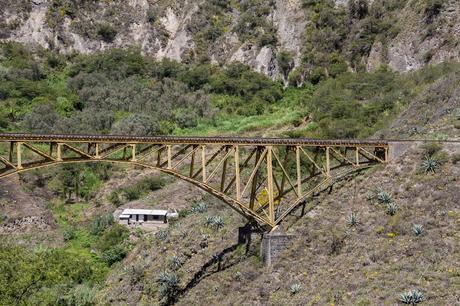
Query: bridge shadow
x,y
214,265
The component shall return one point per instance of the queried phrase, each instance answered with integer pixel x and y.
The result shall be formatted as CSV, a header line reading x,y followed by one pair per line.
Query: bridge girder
x,y
263,179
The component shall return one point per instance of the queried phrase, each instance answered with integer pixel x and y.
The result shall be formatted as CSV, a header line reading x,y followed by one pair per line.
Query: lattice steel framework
x,y
264,179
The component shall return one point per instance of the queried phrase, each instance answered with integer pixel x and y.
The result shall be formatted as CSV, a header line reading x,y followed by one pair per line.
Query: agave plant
x,y
418,229
411,297
199,208
295,288
162,235
215,222
175,262
430,164
169,283
352,220
383,197
392,208
370,196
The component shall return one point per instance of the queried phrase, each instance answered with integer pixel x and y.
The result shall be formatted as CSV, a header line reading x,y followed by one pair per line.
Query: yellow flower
x,y
391,235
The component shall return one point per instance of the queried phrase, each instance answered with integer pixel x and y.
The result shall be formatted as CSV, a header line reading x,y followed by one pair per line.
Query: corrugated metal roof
x,y
155,212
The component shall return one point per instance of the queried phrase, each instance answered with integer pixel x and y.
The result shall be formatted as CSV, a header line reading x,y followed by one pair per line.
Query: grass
x,y
71,216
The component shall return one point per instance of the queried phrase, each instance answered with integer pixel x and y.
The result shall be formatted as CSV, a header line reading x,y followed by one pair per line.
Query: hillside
x,y
315,37
300,68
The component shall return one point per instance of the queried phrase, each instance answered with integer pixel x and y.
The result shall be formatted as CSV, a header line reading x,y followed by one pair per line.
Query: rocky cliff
x,y
272,36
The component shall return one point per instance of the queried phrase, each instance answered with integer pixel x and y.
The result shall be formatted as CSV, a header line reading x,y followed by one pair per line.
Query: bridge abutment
x,y
273,244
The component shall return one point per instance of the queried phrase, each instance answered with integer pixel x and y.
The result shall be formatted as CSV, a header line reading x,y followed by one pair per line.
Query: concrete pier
x,y
273,244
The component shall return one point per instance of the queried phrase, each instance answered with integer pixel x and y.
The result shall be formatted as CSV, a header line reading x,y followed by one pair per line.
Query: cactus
x,y
392,208
352,220
411,297
418,229
295,288
370,196
430,164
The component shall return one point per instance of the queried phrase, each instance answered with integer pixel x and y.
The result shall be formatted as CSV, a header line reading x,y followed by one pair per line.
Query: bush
x,y
431,148
68,234
114,198
106,32
169,285
432,8
100,223
114,254
455,158
161,235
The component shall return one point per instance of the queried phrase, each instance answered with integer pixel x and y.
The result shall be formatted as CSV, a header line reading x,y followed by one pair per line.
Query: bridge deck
x,y
190,140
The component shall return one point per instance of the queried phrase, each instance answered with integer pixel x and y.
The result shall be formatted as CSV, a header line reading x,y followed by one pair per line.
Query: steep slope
x,y
273,37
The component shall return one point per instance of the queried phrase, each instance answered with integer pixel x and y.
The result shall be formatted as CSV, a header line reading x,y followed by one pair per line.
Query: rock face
x,y
169,29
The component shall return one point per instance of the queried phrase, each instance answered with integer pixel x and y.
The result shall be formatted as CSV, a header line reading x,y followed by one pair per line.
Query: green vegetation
x,y
430,164
392,208
411,297
295,288
352,220
418,229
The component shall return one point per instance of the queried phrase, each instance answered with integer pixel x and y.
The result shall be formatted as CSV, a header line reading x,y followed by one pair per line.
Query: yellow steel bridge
x,y
264,179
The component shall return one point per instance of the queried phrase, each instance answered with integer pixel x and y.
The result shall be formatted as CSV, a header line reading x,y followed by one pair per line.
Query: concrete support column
x,y
273,244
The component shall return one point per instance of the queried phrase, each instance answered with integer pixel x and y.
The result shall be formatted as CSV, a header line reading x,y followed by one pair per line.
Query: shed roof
x,y
154,212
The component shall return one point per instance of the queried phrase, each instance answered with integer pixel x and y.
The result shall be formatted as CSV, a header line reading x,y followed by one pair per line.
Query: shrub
x,y
352,220
418,229
431,148
295,288
114,254
430,164
100,223
175,262
68,234
106,32
411,297
114,198
432,8
370,196
161,235
383,197
199,208
214,222
392,208
169,285
455,158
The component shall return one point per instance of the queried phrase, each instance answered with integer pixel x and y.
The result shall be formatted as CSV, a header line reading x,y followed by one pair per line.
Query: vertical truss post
x,y
96,153
271,204
203,162
299,174
357,156
237,173
11,151
59,152
328,162
252,197
192,161
19,155
169,156
224,172
133,155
